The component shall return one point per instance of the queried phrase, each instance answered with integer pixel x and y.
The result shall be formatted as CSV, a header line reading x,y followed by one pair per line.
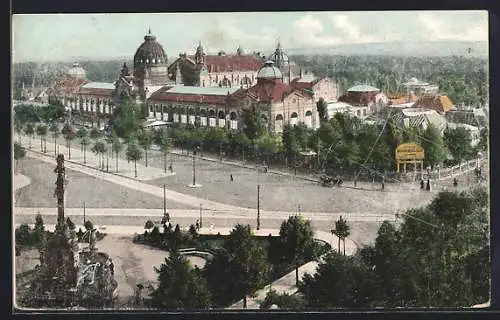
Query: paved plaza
x,y
277,192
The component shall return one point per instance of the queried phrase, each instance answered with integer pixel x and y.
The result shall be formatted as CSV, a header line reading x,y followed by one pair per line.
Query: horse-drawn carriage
x,y
328,181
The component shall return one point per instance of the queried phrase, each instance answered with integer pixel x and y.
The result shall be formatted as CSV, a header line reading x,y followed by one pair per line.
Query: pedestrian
x,y
167,217
383,185
422,184
197,225
428,187
170,169
455,182
231,177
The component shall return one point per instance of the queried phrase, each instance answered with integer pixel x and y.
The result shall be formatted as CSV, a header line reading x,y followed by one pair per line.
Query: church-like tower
x,y
150,64
199,56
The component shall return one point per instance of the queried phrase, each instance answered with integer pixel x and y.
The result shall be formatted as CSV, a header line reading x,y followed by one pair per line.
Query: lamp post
x,y
439,171
194,164
258,199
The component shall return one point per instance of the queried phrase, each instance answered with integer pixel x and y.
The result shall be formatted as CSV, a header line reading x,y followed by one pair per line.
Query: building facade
x,y
206,107
279,103
221,70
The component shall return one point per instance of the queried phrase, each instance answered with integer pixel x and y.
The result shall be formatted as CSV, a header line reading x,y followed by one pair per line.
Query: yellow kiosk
x,y
410,153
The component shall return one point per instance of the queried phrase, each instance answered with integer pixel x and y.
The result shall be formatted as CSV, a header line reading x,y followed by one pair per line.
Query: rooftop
x,y
362,88
99,85
214,91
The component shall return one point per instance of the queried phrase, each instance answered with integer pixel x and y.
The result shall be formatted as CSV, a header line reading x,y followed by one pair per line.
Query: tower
x,y
124,71
199,57
239,51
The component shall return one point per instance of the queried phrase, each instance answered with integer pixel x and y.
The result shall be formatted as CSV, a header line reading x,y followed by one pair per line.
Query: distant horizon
x,y
291,51
66,37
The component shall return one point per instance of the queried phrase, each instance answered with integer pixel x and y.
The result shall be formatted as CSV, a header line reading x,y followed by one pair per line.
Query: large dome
x,y
269,71
150,52
77,71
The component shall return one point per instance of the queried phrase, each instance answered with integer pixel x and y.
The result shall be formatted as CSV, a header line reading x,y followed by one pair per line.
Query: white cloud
x,y
308,31
437,30
231,36
351,31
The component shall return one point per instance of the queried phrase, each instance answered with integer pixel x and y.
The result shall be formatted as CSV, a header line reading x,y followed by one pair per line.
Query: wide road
x,y
277,192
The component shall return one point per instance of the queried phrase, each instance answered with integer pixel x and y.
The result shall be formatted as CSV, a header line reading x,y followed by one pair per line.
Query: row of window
x,y
211,113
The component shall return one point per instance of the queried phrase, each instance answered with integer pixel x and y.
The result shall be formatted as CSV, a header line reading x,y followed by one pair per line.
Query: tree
x,y
81,133
321,106
85,141
18,128
458,141
134,154
165,147
483,139
243,265
127,120
291,144
69,134
39,235
433,144
30,131
95,134
117,147
339,281
341,231
297,237
145,140
253,124
180,286
283,301
19,152
99,149
54,128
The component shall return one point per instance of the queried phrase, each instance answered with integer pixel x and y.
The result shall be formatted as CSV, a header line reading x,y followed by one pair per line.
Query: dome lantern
x,y
77,71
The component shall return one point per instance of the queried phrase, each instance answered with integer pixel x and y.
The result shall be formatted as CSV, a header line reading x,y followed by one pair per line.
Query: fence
x,y
439,174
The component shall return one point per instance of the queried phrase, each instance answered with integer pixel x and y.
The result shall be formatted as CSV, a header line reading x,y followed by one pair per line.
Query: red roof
x,y
165,96
228,63
359,98
69,84
270,91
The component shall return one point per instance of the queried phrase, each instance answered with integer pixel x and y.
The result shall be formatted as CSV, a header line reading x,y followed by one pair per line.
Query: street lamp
x,y
258,200
194,164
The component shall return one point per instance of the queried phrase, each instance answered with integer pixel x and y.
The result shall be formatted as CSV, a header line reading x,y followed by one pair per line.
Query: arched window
x,y
279,117
222,115
233,116
309,113
294,115
211,113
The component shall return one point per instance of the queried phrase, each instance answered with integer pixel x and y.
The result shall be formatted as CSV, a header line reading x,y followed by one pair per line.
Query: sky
x,y
54,37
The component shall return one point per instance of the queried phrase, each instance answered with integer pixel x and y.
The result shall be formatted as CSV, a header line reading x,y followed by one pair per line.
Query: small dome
x,y
150,51
269,71
77,71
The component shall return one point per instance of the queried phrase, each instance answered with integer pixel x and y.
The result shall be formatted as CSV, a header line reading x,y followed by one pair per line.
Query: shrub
x,y
88,225
149,225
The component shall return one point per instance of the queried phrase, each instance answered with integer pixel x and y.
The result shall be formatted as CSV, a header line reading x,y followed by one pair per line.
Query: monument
x,y
68,276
